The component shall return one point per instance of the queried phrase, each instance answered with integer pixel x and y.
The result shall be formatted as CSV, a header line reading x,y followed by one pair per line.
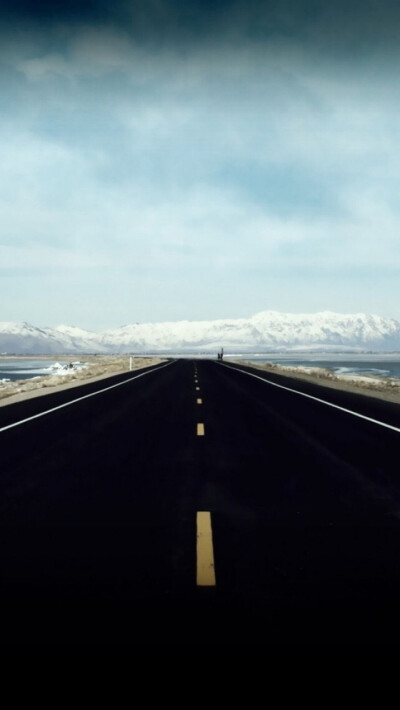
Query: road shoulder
x,y
382,390
26,389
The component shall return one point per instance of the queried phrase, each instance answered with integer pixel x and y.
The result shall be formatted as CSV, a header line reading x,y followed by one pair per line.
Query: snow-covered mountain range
x,y
265,331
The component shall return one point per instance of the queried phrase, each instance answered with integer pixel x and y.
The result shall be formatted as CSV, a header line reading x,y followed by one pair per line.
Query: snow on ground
x,y
69,374
383,387
67,368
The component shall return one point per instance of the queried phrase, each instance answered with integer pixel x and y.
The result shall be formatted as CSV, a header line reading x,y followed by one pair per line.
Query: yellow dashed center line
x,y
199,401
200,429
205,552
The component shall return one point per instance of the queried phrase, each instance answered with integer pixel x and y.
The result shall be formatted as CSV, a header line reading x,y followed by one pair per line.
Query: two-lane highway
x,y
197,503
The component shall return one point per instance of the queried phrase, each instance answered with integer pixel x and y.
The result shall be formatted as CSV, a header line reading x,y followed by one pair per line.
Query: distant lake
x,y
382,364
23,369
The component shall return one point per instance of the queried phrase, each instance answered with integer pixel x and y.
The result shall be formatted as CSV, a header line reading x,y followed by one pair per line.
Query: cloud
x,y
174,21
174,161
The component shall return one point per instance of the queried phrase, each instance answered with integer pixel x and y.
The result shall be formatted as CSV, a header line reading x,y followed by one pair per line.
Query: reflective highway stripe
x,y
316,399
86,396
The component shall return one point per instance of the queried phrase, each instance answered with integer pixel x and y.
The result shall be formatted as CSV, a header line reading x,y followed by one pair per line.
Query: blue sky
x,y
170,160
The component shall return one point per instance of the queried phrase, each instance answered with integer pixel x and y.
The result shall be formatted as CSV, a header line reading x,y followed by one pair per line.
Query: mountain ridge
x,y
266,330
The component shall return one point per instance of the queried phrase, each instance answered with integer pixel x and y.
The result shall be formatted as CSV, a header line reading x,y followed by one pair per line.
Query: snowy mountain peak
x,y
16,327
74,331
266,330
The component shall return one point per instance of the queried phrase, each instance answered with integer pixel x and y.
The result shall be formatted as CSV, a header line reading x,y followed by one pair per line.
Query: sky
x,y
170,160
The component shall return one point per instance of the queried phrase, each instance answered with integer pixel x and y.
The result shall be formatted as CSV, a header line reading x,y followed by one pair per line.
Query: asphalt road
x,y
99,503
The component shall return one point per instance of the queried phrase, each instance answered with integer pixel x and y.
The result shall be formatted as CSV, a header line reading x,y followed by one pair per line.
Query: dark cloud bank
x,y
343,25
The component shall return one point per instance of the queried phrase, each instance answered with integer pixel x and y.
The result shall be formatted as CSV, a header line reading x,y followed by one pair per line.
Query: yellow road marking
x,y
198,389
199,401
200,429
205,552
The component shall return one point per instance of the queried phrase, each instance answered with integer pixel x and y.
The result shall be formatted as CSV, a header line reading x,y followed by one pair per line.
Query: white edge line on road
x,y
316,399
86,396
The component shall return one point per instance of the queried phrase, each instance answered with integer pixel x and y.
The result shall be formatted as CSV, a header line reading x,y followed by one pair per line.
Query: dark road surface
x,y
99,501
